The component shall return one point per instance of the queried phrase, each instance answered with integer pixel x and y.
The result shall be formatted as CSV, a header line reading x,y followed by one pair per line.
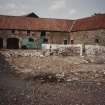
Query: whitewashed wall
x,y
90,50
77,49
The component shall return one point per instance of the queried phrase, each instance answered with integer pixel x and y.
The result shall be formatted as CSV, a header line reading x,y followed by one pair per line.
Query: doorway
x,y
13,43
1,43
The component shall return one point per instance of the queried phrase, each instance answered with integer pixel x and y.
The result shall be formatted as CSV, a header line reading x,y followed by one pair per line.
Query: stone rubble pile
x,y
58,68
73,76
95,59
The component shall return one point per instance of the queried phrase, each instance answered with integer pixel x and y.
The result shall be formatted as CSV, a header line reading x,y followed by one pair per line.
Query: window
x,y
72,41
65,41
13,31
96,40
45,40
43,33
28,32
31,40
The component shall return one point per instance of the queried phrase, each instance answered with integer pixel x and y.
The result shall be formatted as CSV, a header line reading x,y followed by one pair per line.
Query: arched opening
x,y
1,43
12,43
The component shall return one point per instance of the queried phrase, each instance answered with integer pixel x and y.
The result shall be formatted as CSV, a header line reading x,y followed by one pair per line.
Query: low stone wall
x,y
65,50
94,50
75,50
22,53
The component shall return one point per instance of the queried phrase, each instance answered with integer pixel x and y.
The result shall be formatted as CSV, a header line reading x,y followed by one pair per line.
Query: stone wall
x,y
93,37
52,37
75,50
94,50
22,53
58,37
19,34
89,37
65,50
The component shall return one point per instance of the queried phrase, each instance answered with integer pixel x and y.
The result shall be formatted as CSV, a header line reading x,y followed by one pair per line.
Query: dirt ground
x,y
18,85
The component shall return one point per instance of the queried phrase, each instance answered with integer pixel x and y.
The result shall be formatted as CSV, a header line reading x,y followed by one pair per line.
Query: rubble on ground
x,y
32,64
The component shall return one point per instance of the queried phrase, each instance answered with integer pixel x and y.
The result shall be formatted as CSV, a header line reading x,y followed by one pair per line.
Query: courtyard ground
x,y
52,80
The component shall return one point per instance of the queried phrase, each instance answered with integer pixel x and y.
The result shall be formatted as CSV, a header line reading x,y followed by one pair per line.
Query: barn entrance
x,y
1,43
12,43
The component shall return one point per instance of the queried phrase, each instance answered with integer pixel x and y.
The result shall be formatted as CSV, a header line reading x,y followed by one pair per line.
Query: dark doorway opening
x,y
43,34
72,41
12,43
45,41
31,40
65,42
28,32
96,40
1,43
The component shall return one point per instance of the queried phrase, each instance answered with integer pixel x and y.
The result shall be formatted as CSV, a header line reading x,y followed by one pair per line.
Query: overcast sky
x,y
67,9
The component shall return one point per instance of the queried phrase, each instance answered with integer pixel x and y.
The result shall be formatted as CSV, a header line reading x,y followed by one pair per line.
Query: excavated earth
x,y
51,80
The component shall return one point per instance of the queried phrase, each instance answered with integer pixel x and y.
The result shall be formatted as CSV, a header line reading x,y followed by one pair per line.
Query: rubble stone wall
x,y
94,50
92,37
19,34
66,50
74,50
89,37
58,37
22,53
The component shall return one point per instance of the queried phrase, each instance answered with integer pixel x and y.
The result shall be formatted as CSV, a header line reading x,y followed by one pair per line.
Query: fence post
x,y
81,50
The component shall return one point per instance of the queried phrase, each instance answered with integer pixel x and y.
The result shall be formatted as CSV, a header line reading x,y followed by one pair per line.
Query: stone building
x,y
30,31
90,30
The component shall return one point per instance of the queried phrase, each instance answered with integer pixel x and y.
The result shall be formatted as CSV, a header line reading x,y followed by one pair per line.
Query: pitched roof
x,y
32,14
94,22
45,24
38,24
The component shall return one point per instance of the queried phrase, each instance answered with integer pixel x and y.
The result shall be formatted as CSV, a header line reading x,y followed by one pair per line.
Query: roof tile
x,y
40,24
